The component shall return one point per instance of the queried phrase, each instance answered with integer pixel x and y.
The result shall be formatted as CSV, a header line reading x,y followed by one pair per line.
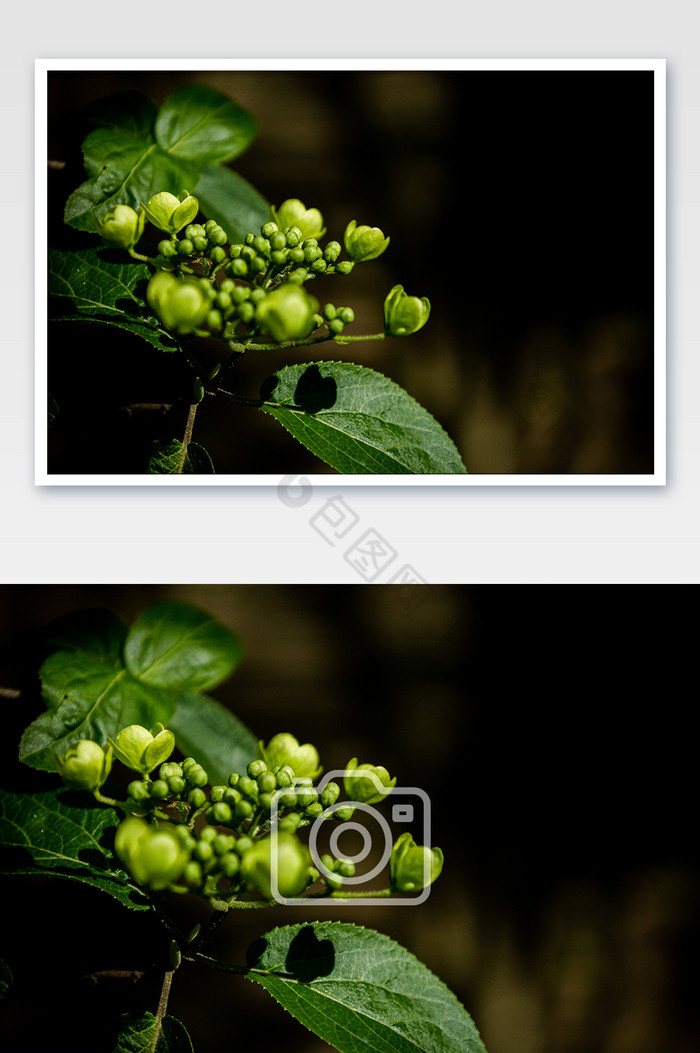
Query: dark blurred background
x,y
519,202
550,729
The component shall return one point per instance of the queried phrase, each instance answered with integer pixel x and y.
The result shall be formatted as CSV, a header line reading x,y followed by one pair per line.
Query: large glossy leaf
x,y
137,1031
211,734
201,124
88,699
229,199
359,421
96,632
174,644
360,991
166,455
63,833
100,285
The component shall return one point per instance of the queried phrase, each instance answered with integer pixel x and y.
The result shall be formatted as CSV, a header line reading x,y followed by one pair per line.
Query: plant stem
x,y
187,437
162,1007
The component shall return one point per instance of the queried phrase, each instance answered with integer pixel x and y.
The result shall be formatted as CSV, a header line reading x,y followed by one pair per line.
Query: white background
x,y
495,534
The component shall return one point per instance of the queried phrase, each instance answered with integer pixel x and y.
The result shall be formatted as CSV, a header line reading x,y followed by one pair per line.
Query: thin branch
x,y
187,437
162,1007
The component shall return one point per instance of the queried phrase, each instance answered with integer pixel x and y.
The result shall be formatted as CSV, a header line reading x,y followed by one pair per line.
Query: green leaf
x,y
6,979
199,123
96,632
357,420
137,1030
104,286
207,731
63,833
87,698
231,201
167,453
360,991
173,644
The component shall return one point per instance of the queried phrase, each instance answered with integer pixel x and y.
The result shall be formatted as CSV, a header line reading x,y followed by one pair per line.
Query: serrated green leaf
x,y
231,201
96,632
359,421
137,1030
166,455
207,731
105,287
6,979
87,698
63,833
201,124
360,991
174,644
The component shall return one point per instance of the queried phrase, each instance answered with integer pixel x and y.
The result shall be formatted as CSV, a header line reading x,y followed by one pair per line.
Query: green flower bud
x,y
287,313
329,794
192,873
85,765
180,305
255,768
404,314
143,750
153,855
367,784
196,797
160,789
331,251
121,226
229,865
364,243
293,213
345,266
413,866
138,790
345,867
283,750
291,858
170,213
267,782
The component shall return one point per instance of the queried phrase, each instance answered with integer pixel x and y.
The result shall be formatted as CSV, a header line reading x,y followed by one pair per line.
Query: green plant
x,y
225,823
229,269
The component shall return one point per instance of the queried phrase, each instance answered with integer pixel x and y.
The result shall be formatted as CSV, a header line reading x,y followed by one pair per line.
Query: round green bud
x,y
246,312
296,255
329,862
343,814
336,325
248,253
153,855
257,295
261,245
235,250
311,253
194,230
232,796
192,874
344,266
345,868
196,797
248,787
367,783
217,793
269,230
243,844
249,238
208,834
267,782
170,768
219,236
167,248
278,257
243,810
298,276
140,749
185,837
217,254
203,851
223,300
258,265
346,314
364,243
180,304
290,859
286,313
294,237
233,778
229,865
219,813
306,796
85,765
319,266
238,268
255,768
314,810
138,791
289,823
170,213
329,311
185,247
284,751
284,777
200,243
160,789
223,843
196,776
404,314
333,881
331,251
329,794
176,785
121,226
413,866
278,241
265,801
